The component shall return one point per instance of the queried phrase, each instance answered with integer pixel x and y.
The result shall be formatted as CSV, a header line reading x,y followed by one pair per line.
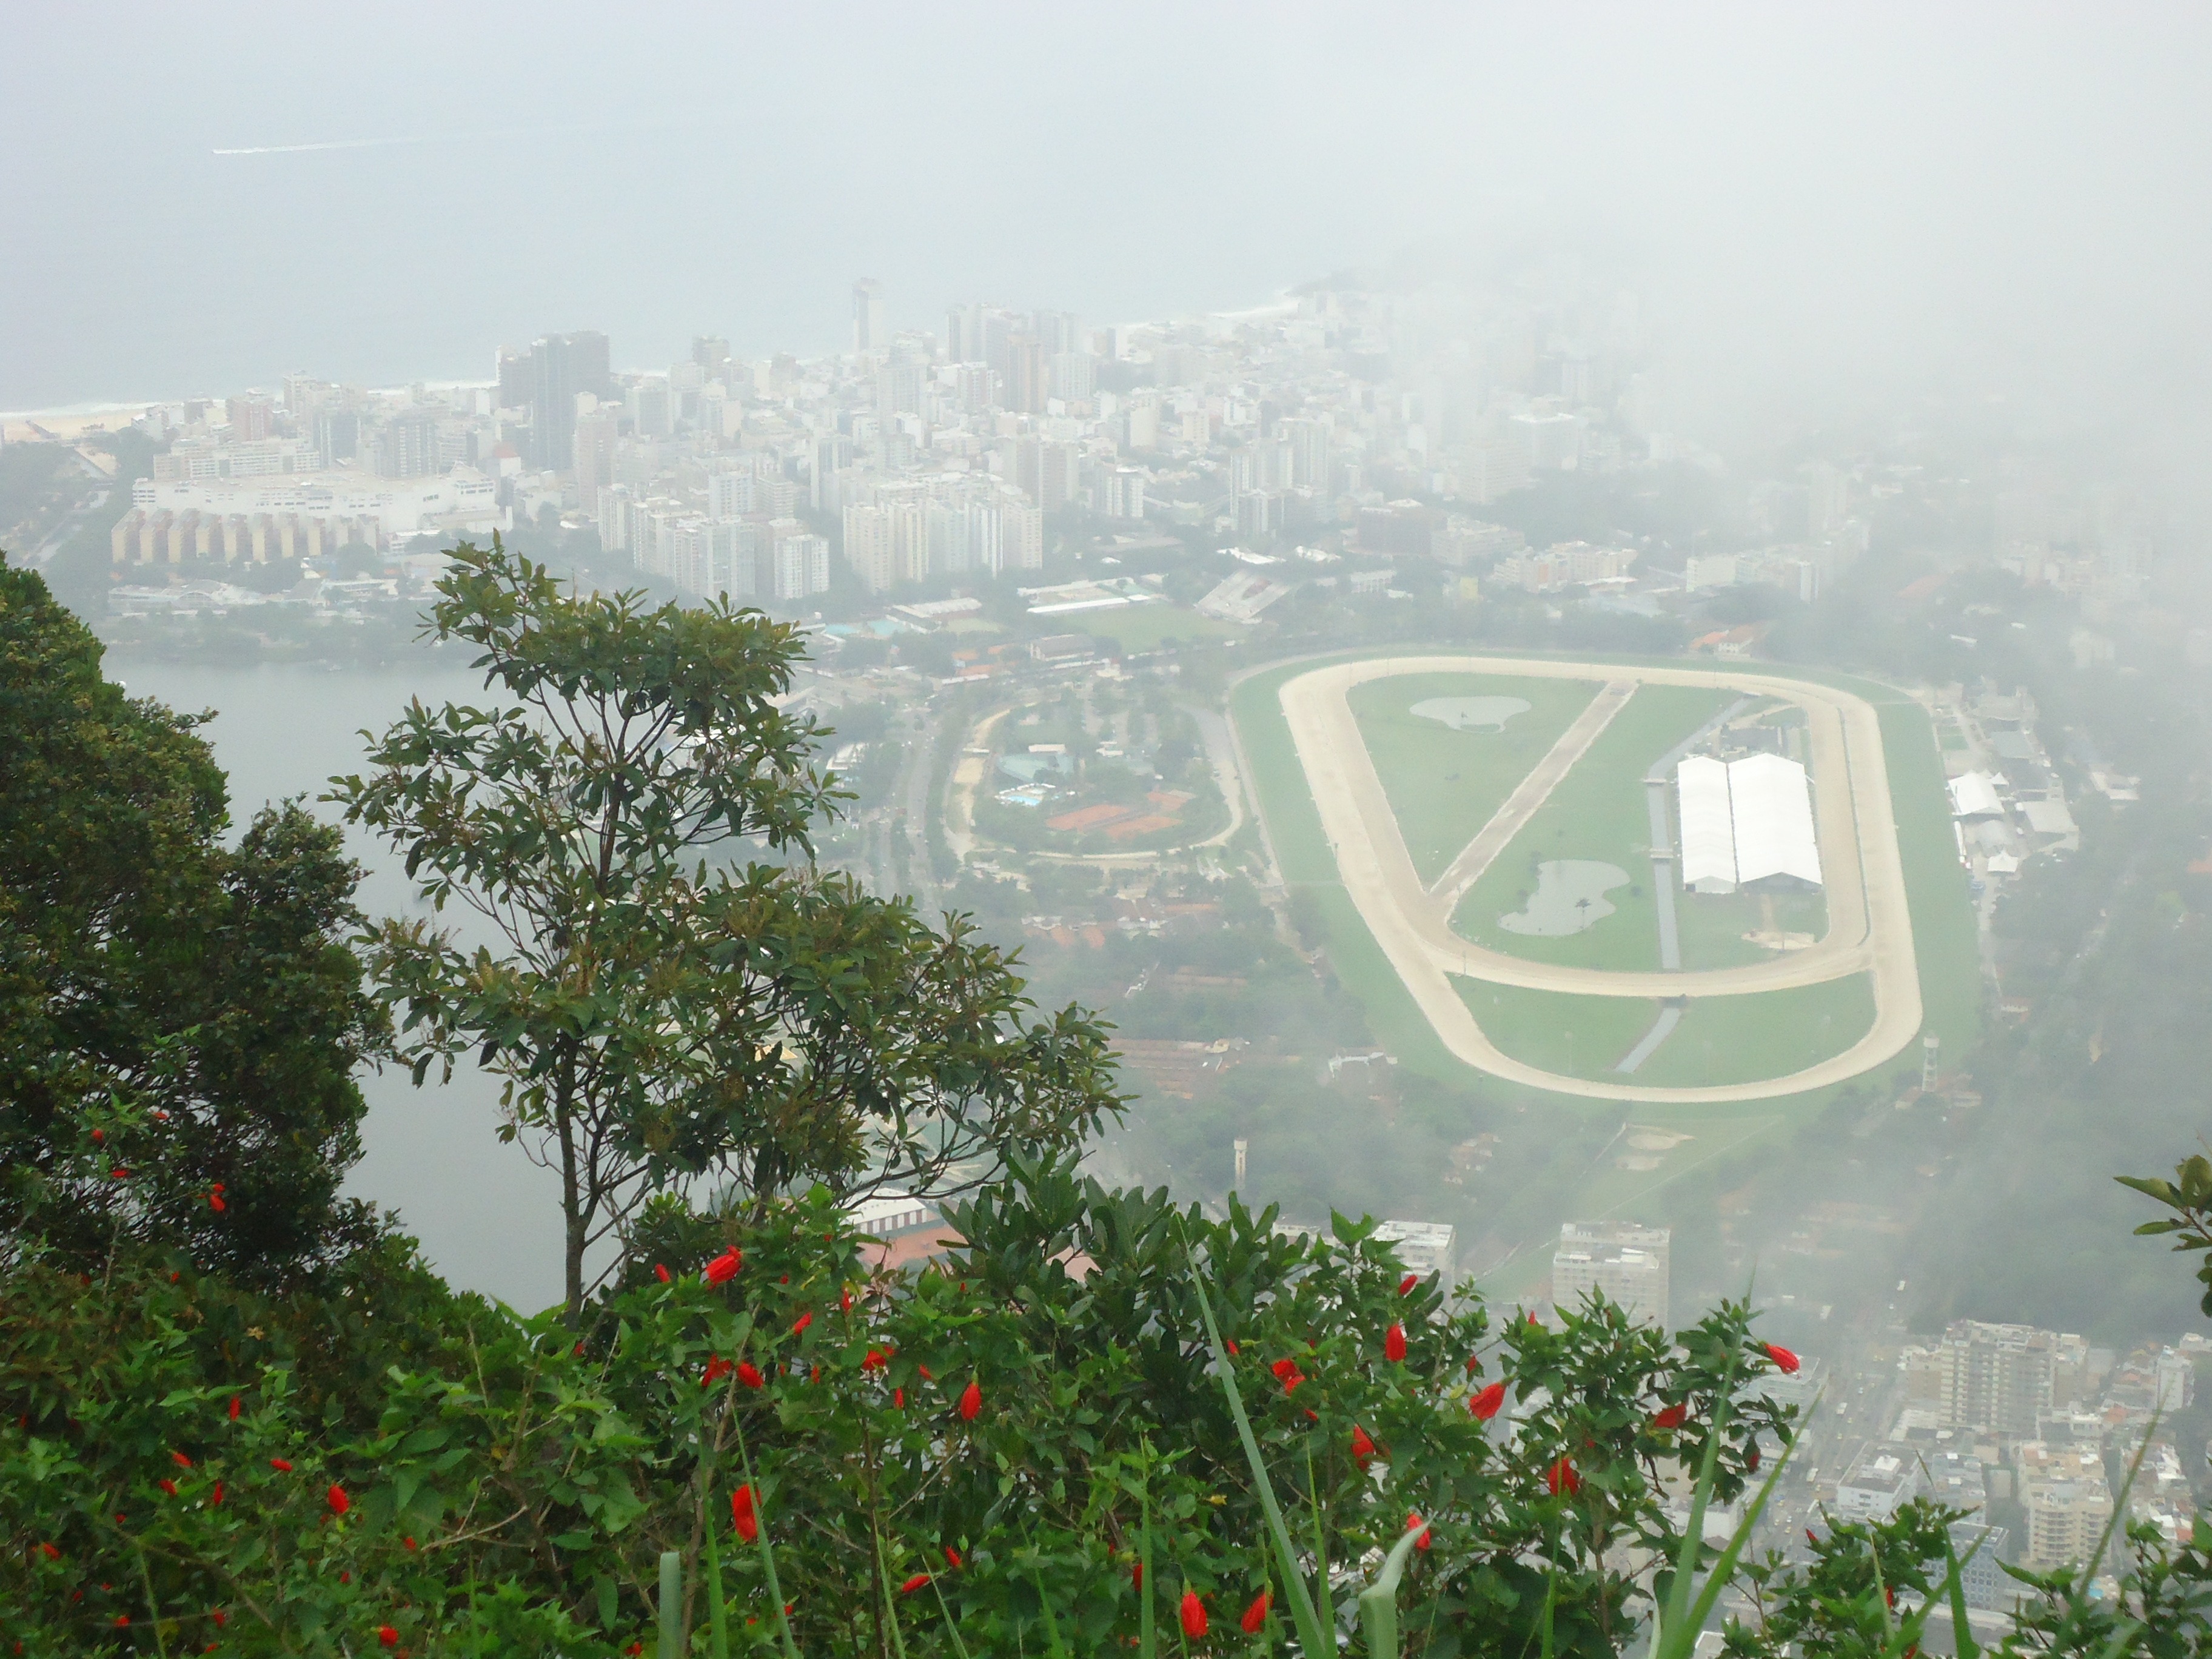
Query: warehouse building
x,y
1746,822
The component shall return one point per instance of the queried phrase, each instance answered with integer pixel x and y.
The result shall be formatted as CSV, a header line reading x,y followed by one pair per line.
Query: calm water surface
x,y
487,1217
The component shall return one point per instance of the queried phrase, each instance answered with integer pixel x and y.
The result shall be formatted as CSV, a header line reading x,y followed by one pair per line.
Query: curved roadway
x,y
1869,922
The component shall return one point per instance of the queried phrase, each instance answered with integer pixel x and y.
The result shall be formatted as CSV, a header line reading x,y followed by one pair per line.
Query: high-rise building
x,y
712,353
1627,1262
561,366
871,331
251,418
593,456
650,414
514,373
2068,1502
1024,381
1995,1378
802,567
407,448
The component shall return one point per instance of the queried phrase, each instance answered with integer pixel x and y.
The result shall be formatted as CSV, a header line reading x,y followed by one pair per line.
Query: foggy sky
x,y
1848,207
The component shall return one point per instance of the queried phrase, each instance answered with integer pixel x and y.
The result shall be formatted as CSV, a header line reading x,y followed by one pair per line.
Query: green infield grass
x,y
1597,812
1444,785
1147,626
1737,1039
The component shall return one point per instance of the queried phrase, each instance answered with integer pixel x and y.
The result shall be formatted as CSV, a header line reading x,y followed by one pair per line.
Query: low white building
x,y
1746,821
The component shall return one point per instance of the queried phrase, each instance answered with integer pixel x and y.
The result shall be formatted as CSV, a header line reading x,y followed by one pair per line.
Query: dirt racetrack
x,y
1869,922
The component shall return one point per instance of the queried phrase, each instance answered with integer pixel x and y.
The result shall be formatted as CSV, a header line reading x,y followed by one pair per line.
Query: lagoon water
x,y
1570,896
486,1216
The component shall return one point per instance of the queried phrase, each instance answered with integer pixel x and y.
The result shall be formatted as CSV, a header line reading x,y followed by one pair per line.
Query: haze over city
x,y
1555,669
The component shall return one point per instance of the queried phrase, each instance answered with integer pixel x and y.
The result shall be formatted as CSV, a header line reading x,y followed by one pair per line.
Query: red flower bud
x,y
234,1408
168,1487
952,1558
388,1635
1414,1520
407,1543
1231,1346
971,1401
217,1496
742,1514
748,1374
50,1552
716,1367
215,1198
1751,1458
336,1498
1474,1364
926,1376
123,1621
1193,1614
800,1324
724,1268
1362,1447
844,1300
913,1584
1255,1616
1136,1575
876,1361
220,1617
1672,1417
898,1400
180,1459
661,1272
283,1466
1486,1404
1394,1344
1782,1357
1561,1476
1406,1284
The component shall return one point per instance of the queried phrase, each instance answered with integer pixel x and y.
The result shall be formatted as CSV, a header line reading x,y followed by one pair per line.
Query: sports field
x,y
1755,1023
1597,812
1736,1039
1443,780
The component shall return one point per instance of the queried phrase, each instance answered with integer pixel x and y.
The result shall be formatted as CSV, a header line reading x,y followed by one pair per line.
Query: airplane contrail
x,y
335,143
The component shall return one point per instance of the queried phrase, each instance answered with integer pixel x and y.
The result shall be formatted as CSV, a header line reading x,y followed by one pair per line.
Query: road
x,y
1869,922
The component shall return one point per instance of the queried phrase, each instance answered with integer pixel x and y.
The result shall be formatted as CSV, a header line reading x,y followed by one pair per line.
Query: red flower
x,y
388,1635
50,1552
283,1466
168,1487
1193,1614
898,1400
971,1401
215,1198
1362,1447
1406,1284
926,1376
220,1617
1484,1404
121,1621
1751,1458
1809,1538
1136,1574
913,1584
407,1542
716,1367
661,1272
742,1515
800,1323
119,1174
748,1374
844,1300
724,1268
335,1496
876,1361
1256,1614
217,1496
1394,1344
1412,1521
1672,1417
1782,1357
1231,1346
952,1558
1473,1363
1561,1476
180,1459
234,1408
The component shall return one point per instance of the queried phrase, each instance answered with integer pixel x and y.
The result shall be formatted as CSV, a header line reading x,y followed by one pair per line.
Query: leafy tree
x,y
206,989
660,1013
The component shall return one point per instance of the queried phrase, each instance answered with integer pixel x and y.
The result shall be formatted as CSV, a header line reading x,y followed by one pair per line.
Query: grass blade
x,y
717,1615
1147,1589
767,1551
672,1605
1378,1602
1311,1636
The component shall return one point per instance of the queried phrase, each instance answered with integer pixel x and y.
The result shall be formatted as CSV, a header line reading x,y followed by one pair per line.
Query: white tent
x,y
1973,795
1771,801
1701,785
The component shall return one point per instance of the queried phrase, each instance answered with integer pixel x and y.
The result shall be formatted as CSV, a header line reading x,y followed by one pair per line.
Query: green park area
x,y
1450,748
1147,626
1713,928
1725,1039
1596,816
